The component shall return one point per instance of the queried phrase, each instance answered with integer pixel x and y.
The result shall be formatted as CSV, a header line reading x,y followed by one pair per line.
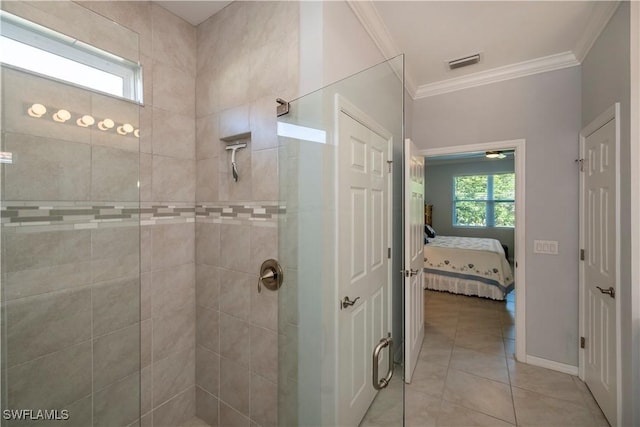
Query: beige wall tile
x,y
173,179
206,407
208,243
117,404
24,251
264,402
235,381
173,375
51,381
264,124
235,339
207,370
175,330
37,281
207,180
234,121
264,174
172,288
174,40
235,293
173,89
114,174
229,417
207,92
233,88
46,169
39,325
172,244
176,411
264,307
121,112
173,134
146,391
146,340
207,137
116,304
236,241
146,177
208,286
208,329
116,356
264,353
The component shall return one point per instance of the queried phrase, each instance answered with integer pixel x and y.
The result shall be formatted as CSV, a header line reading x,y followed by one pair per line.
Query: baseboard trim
x,y
550,364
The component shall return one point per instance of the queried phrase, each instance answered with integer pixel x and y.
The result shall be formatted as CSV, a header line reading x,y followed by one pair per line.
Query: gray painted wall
x,y
439,193
545,110
605,81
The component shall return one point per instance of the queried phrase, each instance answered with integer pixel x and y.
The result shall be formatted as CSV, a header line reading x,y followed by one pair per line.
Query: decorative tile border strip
x,y
239,212
83,215
56,215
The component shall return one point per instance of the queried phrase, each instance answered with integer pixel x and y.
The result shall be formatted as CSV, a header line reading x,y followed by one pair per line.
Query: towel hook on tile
x,y
234,165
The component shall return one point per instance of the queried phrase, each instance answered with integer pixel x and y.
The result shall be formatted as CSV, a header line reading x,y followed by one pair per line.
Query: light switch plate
x,y
549,247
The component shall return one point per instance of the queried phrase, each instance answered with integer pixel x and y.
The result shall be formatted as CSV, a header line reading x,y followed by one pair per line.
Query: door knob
x,y
347,303
611,292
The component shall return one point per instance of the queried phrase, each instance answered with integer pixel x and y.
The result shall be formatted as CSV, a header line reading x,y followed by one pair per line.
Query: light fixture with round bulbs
x,y
125,129
62,116
106,124
85,121
37,110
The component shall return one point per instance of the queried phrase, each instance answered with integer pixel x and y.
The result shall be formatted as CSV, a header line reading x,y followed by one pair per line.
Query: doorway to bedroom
x,y
474,205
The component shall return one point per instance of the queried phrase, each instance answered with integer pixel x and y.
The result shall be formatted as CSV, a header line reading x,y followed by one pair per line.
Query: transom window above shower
x,y
37,49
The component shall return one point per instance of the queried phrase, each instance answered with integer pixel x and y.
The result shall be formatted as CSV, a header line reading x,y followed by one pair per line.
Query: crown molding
x,y
373,24
508,72
598,20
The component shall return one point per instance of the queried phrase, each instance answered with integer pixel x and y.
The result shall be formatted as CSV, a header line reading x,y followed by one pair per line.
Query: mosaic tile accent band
x,y
79,215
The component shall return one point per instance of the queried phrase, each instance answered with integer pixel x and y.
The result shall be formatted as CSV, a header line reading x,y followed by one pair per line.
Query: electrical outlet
x,y
549,247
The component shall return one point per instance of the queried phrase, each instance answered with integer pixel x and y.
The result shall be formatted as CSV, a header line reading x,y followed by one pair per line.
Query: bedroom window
x,y
484,200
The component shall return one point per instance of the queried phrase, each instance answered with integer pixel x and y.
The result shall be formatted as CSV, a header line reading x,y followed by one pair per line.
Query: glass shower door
x,y
70,236
340,245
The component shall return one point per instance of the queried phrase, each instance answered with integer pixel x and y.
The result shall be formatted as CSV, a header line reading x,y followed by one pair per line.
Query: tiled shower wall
x,y
167,195
247,57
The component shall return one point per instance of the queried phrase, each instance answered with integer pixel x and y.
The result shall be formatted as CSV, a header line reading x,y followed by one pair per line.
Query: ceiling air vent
x,y
463,62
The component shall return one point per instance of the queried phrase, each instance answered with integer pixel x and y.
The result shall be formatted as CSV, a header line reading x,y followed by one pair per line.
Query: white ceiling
x,y
194,12
514,38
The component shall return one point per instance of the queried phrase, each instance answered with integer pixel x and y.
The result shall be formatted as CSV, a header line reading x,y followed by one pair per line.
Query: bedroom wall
x,y
545,110
605,81
439,193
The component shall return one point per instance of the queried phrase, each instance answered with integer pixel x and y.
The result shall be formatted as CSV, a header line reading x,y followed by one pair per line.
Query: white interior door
x,y
413,256
599,231
363,213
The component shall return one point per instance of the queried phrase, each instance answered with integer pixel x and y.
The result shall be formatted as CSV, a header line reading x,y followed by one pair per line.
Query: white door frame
x,y
518,145
612,113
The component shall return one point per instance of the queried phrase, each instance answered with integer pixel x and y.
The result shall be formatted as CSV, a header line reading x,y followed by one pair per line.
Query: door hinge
x,y
389,253
389,163
581,254
581,164
583,342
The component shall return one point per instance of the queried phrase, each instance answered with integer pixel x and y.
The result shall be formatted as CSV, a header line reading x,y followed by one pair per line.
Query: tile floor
x,y
467,375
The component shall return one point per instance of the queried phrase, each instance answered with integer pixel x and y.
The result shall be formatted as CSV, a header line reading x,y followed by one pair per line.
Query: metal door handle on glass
x,y
384,342
611,292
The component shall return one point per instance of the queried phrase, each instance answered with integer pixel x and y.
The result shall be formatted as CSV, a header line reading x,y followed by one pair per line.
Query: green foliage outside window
x,y
484,200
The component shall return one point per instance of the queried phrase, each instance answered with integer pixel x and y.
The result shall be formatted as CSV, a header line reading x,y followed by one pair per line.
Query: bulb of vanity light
x,y
37,110
62,116
136,133
85,121
125,129
106,124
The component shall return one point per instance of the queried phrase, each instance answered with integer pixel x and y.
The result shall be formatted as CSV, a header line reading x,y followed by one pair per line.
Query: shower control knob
x,y
271,275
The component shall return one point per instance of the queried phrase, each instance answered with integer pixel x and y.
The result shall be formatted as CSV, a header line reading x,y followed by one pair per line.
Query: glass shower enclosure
x,y
70,233
340,247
